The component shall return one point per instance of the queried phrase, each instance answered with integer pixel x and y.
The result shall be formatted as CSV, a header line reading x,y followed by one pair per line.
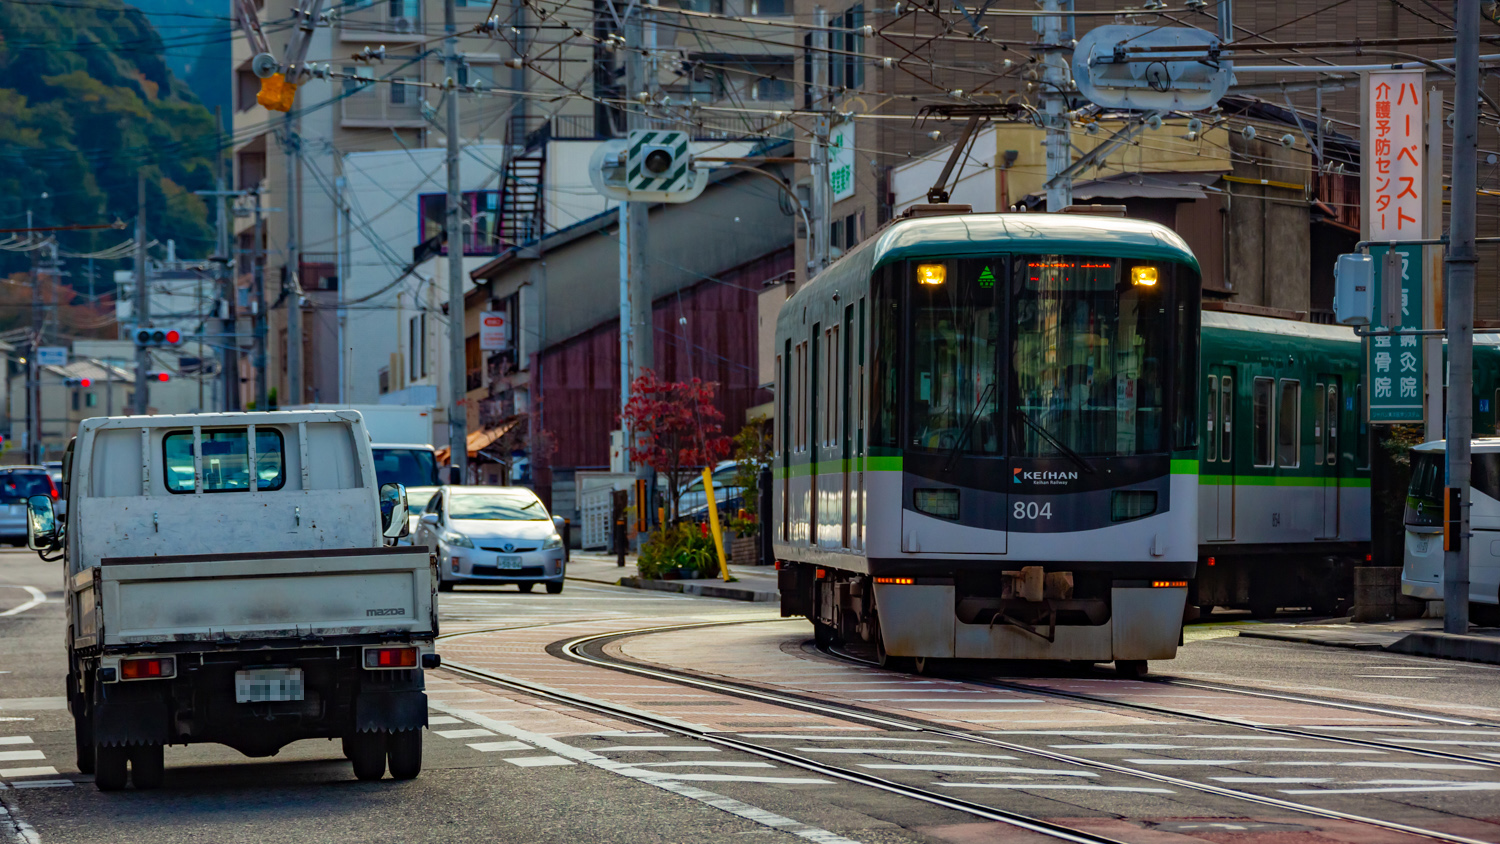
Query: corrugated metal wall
x,y
707,331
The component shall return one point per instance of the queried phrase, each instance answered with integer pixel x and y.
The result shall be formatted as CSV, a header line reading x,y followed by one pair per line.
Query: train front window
x,y
955,344
1088,356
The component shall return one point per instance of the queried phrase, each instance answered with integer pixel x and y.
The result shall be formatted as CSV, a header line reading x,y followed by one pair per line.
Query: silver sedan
x,y
489,534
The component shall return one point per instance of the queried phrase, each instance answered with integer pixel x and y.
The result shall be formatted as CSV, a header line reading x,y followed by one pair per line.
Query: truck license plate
x,y
259,685
509,561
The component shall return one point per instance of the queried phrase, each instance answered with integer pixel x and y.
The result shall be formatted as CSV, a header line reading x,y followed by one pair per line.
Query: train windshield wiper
x,y
963,435
1054,441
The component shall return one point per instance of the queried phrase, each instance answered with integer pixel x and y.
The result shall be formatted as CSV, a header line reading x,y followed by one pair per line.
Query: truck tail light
x,y
149,668
398,657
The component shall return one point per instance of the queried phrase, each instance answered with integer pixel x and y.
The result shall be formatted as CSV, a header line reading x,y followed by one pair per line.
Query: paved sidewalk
x,y
1417,636
753,583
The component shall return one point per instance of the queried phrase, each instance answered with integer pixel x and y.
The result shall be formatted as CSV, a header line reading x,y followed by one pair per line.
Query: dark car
x,y
17,485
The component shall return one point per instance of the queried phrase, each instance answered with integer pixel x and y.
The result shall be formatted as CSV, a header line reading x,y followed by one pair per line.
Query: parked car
x,y
693,498
492,534
18,483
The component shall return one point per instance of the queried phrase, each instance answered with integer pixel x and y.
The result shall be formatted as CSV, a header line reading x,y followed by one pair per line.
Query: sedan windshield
x,y
496,506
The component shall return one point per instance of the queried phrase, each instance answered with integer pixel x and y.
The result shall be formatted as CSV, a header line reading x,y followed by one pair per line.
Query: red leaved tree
x,y
677,429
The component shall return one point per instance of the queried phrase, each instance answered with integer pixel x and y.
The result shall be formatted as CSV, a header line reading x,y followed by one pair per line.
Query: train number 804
x,y
1032,510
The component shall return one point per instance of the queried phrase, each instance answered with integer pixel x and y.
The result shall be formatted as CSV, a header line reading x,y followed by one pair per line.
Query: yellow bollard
x,y
713,520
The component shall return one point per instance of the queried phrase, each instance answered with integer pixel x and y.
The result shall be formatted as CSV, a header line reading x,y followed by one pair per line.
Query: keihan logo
x,y
1044,478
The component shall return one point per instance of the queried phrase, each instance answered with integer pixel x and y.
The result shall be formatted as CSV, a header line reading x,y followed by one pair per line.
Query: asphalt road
x,y
506,766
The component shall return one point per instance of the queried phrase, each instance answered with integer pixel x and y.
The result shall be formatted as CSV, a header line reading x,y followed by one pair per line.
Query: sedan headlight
x,y
553,541
456,539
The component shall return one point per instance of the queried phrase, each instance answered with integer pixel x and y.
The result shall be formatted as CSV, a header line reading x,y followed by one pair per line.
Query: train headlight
x,y
1143,276
933,274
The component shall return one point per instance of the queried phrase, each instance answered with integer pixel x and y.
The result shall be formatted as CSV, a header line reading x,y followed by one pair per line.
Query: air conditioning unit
x,y
403,25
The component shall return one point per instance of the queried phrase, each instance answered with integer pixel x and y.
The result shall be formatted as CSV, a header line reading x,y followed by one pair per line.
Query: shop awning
x,y
479,440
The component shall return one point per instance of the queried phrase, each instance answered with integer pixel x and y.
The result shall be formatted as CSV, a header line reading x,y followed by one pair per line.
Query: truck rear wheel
x,y
405,751
148,765
367,752
109,767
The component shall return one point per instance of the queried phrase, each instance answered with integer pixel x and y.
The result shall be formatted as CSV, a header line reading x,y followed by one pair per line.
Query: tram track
x,y
589,650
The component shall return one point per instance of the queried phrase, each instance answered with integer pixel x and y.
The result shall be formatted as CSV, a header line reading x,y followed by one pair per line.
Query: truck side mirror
x,y
41,523
394,518
1353,289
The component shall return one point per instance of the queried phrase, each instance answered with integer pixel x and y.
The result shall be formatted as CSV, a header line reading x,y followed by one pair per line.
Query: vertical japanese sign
x,y
1395,199
494,334
841,160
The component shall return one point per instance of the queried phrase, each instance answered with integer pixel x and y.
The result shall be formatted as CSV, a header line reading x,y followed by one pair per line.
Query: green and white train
x,y
994,440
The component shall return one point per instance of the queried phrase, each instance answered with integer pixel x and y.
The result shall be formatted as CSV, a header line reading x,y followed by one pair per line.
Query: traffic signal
x,y
79,382
164,337
158,375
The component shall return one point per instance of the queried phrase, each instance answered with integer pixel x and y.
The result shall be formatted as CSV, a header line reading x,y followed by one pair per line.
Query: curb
x,y
1450,646
1302,639
700,588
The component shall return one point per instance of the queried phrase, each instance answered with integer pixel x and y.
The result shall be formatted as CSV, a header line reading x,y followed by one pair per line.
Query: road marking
x,y
494,746
539,761
628,733
43,784
15,739
1468,786
844,738
1055,787
20,755
441,720
655,748
718,801
463,733
37,597
881,751
40,771
1283,780
697,764
738,778
980,769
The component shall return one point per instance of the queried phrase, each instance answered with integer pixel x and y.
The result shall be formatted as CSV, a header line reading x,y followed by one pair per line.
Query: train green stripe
x,y
1264,480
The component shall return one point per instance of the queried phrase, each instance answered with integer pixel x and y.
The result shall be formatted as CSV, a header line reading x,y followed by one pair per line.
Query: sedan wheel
x,y
525,587
554,588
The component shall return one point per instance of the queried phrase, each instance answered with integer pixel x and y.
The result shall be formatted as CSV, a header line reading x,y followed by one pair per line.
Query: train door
x,y
846,429
1326,450
1218,453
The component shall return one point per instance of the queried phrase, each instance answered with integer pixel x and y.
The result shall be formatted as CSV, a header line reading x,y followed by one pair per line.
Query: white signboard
x,y
1395,195
494,333
52,355
841,161
1393,139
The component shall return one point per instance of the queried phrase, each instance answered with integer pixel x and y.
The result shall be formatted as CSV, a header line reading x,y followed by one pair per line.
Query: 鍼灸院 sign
x,y
494,332
1394,199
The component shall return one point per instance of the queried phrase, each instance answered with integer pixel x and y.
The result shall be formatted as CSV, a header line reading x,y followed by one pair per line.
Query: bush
x,y
686,545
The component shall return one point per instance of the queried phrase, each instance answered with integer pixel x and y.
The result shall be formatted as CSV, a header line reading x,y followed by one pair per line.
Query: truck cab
x,y
229,580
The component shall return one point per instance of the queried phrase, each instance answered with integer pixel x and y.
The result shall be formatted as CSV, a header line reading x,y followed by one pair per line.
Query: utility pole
x,y
1459,316
637,326
1056,31
33,368
142,300
818,253
258,300
1226,34
458,380
292,284
228,344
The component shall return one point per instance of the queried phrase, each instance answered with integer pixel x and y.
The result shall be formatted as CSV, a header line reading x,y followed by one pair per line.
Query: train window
x,y
830,389
1089,357
955,343
1289,425
801,393
1211,450
778,393
1320,409
1264,388
1187,290
884,380
1226,418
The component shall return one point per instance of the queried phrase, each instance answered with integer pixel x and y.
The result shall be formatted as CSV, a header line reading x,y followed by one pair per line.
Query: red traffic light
x,y
158,375
85,382
162,376
173,337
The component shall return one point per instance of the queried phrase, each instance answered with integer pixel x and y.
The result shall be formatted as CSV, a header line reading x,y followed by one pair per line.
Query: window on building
x,y
771,90
481,75
473,363
413,348
384,377
408,9
91,400
398,90
767,7
76,400
1289,425
1263,398
481,220
851,232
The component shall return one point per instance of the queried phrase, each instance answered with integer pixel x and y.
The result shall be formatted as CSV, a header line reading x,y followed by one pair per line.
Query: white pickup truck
x,y
228,580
